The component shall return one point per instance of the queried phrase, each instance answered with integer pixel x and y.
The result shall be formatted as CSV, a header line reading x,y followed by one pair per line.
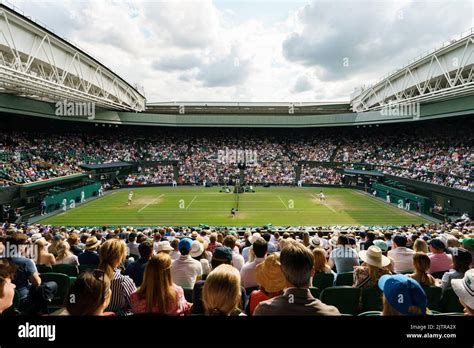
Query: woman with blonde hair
x,y
112,254
402,296
372,269
420,245
422,263
320,262
65,256
158,293
43,257
221,292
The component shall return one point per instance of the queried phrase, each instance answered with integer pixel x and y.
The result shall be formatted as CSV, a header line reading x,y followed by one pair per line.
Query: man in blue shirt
x,y
90,255
136,269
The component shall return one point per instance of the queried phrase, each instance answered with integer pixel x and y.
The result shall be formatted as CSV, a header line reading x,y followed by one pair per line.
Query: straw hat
x,y
91,243
373,256
164,246
269,274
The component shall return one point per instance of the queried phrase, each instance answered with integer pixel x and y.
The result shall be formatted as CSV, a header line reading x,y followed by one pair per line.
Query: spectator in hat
x,y
382,244
464,288
136,269
222,255
90,255
343,257
440,261
158,294
297,264
402,296
7,287
247,273
34,294
237,259
185,270
164,247
43,257
421,263
112,254
198,252
401,255
373,267
271,280
462,260
54,243
246,249
221,292
91,293
468,244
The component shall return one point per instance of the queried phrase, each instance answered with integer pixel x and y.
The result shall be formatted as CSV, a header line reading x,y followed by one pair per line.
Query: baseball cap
x,y
467,242
402,292
223,254
185,243
381,244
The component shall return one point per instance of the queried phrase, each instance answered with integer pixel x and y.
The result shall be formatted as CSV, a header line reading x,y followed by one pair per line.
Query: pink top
x,y
180,307
440,262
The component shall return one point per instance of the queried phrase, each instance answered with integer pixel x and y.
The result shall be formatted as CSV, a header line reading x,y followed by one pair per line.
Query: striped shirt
x,y
122,287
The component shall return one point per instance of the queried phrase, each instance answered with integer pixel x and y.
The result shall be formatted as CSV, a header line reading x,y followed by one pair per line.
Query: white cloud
x,y
195,50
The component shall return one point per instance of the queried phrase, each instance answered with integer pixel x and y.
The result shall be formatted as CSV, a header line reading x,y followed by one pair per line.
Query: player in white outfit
x,y
130,196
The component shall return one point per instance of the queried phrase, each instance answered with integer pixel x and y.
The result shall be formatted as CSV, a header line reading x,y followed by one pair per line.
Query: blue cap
x,y
402,292
185,243
381,244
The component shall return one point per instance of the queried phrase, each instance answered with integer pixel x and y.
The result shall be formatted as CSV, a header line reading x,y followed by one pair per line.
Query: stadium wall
x,y
447,108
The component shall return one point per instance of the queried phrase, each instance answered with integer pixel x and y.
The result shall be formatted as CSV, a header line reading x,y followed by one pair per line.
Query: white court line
x,y
322,202
191,202
281,200
153,201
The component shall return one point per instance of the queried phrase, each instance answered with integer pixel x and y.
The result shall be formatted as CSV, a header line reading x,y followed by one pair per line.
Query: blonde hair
x,y
63,250
157,286
388,310
320,262
41,243
420,246
422,263
221,291
110,252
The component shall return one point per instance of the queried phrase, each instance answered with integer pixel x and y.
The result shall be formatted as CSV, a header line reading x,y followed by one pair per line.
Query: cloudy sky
x,y
259,50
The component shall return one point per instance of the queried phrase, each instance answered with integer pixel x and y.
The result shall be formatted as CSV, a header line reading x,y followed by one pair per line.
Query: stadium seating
x,y
371,299
69,270
345,279
450,302
323,280
63,282
433,294
344,298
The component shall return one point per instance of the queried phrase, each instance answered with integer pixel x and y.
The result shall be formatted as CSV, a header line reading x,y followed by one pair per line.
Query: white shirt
x,y
237,260
205,266
402,259
245,253
248,274
185,270
133,248
175,255
68,260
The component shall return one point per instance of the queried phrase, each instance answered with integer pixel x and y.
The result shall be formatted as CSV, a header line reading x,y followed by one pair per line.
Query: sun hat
x,y
197,248
381,244
254,237
91,243
164,246
402,292
373,256
464,288
315,242
35,237
269,274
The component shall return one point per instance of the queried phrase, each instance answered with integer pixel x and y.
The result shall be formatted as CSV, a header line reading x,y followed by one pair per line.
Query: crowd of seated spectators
x,y
444,159
221,272
320,175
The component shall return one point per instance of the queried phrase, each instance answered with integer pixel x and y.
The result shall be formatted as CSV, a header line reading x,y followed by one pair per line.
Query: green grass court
x,y
282,206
